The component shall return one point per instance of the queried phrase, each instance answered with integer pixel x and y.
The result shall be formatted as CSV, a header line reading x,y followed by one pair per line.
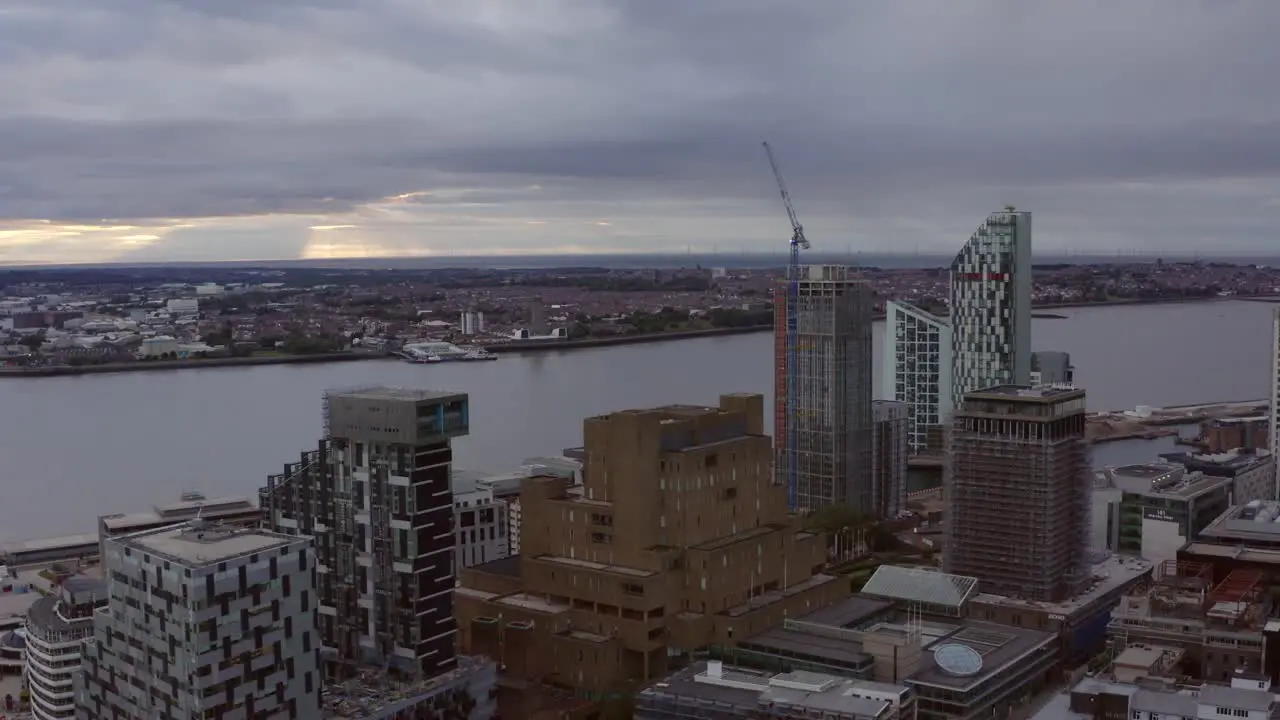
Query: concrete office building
x,y
917,371
204,621
376,497
829,457
679,538
1018,481
890,427
57,626
1152,510
991,306
1051,367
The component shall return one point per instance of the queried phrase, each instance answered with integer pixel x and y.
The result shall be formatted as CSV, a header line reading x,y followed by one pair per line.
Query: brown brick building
x,y
678,539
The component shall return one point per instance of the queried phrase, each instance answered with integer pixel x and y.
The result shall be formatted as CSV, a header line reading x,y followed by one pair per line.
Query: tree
x,y
33,341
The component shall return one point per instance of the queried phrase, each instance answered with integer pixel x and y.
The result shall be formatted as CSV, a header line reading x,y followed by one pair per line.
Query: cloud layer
x,y
234,129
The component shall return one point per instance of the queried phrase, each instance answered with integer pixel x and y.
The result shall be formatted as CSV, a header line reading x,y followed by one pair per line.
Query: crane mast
x,y
790,357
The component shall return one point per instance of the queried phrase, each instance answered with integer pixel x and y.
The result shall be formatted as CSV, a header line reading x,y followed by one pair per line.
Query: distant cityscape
x,y
71,320
680,562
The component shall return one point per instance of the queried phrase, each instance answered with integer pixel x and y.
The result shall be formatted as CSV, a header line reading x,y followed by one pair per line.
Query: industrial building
x,y
204,621
1218,624
57,626
1222,435
991,306
1151,510
376,496
678,538
822,405
890,427
1052,367
917,371
1018,482
1252,474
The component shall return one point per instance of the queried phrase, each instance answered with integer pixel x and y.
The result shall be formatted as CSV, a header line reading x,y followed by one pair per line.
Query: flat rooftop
x,y
1027,392
195,547
999,647
179,511
62,542
384,392
1111,574
749,689
1233,460
1257,520
1163,480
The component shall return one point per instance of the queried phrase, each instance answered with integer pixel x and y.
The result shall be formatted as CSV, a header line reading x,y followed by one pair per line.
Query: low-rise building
x,y
1151,510
1093,698
1245,537
239,511
479,523
1220,435
1218,625
710,689
1252,473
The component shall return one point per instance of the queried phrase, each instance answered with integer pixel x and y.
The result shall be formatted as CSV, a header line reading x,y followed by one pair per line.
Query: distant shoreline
x,y
519,346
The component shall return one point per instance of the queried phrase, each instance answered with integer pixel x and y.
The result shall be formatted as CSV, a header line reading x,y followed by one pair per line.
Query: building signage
x,y
1158,514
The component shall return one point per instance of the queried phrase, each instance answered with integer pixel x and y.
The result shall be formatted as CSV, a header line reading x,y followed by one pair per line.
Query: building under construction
x,y
376,497
1018,485
822,388
1220,625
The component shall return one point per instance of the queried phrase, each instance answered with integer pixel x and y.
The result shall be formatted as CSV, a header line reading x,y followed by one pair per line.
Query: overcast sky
x,y
260,129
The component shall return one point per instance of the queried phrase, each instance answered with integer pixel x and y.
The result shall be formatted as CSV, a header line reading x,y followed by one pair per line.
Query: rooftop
x,y
1256,520
185,509
1027,392
383,392
977,651
920,585
1239,459
1177,703
1111,574
197,544
51,543
710,684
1164,480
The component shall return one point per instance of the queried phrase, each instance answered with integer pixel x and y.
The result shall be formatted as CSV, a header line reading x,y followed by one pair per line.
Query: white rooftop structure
x,y
921,585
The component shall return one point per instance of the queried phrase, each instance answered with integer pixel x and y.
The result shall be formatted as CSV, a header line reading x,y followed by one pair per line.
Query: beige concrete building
x,y
678,538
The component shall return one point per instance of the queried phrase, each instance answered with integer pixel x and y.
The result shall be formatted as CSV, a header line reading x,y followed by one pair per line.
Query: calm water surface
x,y
77,447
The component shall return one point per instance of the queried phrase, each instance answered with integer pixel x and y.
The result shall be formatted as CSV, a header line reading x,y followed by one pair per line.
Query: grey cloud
x,y
886,115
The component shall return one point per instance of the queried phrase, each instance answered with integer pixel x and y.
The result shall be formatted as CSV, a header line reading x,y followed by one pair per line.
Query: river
x,y
72,448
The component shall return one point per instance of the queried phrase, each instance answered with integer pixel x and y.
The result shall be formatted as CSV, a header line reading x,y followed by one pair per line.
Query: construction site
x,y
1217,626
1018,500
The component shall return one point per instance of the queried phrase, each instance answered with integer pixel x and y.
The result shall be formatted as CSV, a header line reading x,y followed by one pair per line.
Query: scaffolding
x,y
1018,488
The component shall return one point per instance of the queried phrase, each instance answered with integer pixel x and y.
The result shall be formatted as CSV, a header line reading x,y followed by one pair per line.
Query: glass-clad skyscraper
x,y
917,371
991,306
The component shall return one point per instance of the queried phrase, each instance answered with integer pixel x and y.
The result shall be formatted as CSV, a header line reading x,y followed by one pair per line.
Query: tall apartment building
x,y
825,400
57,626
1275,398
678,539
376,497
890,427
991,306
1052,367
204,621
1018,486
917,371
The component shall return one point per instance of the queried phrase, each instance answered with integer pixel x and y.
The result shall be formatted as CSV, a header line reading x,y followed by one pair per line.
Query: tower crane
x,y
798,243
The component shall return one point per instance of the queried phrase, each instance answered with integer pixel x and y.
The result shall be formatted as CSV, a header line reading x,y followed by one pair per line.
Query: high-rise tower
x,y
830,414
991,306
376,496
1018,483
1275,396
890,426
917,371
